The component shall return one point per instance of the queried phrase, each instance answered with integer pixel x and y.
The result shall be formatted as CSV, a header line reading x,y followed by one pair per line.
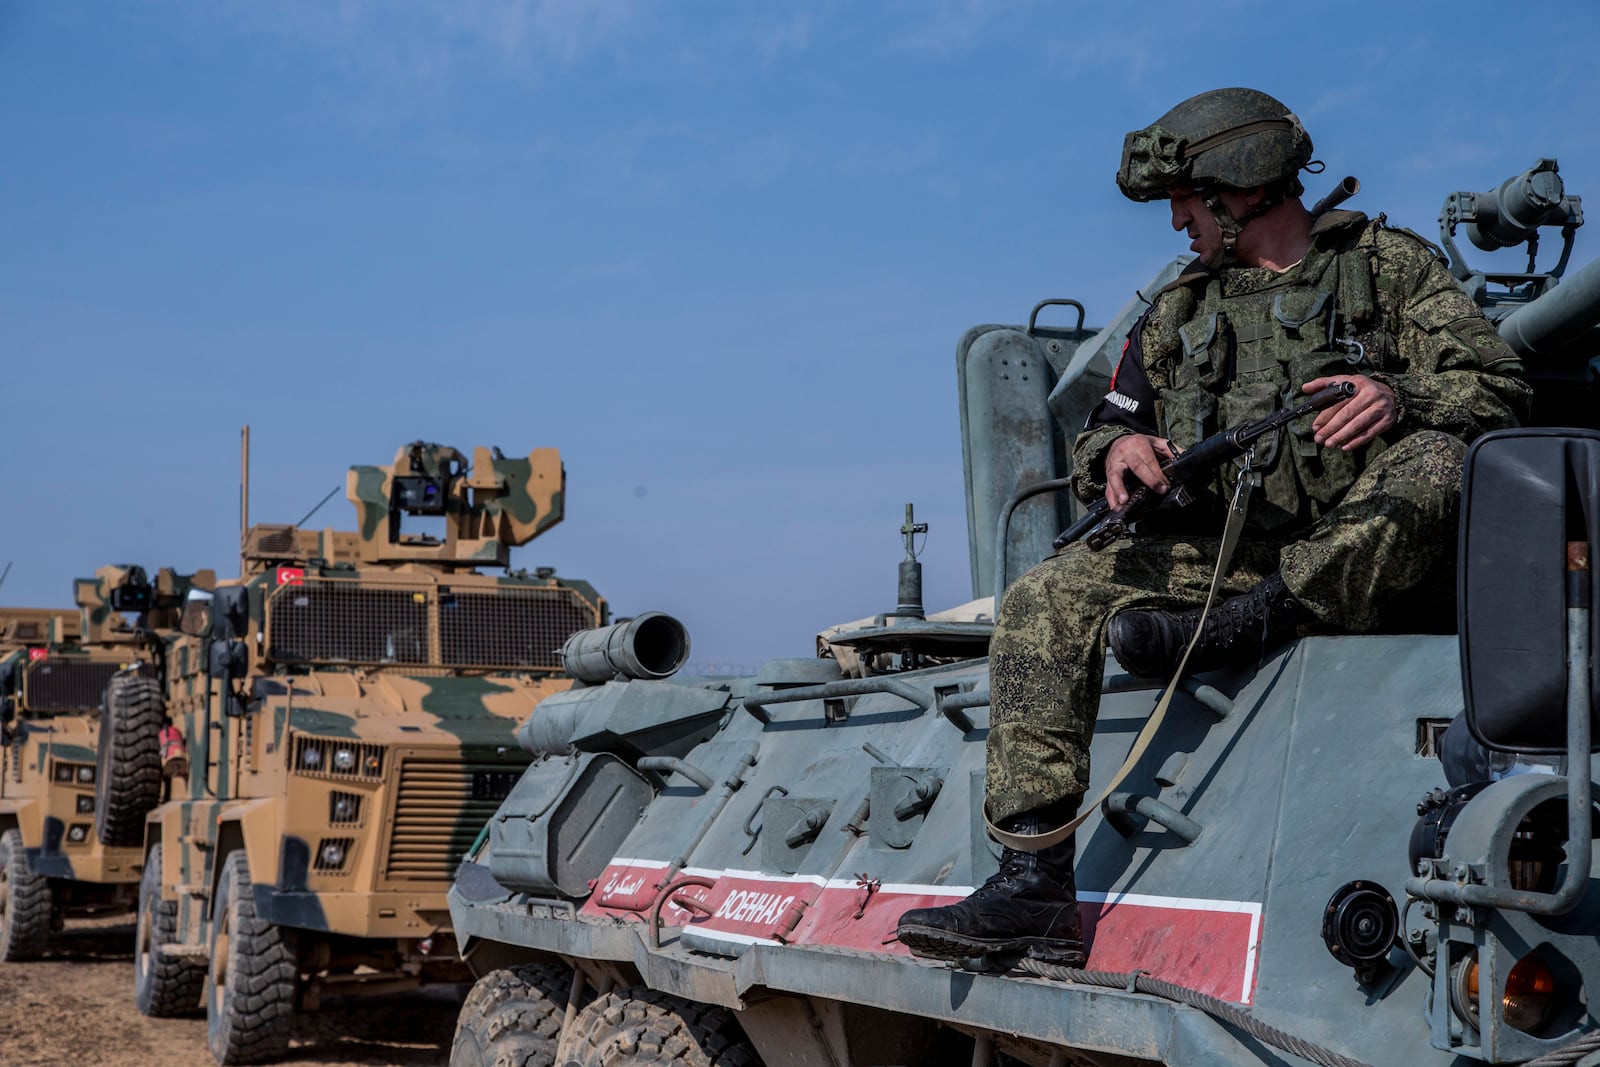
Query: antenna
x,y
318,508
244,483
5,572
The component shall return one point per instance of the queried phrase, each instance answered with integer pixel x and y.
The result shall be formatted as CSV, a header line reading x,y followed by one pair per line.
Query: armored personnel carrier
x,y
711,872
54,671
346,708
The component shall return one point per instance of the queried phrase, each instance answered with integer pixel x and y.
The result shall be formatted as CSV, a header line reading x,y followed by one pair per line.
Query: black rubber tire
x,y
24,903
641,1025
513,1017
163,986
250,982
128,781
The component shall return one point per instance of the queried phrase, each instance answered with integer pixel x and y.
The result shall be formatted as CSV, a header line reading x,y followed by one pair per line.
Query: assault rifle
x,y
1104,524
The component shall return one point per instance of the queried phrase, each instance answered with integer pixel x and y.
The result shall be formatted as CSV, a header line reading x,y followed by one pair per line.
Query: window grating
x,y
340,622
510,627
505,627
61,684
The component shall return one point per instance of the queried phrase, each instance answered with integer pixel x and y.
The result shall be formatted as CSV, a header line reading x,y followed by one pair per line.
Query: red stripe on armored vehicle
x,y
1207,945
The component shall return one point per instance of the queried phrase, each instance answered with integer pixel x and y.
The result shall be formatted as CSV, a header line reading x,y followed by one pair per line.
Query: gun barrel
x,y
1543,326
1347,188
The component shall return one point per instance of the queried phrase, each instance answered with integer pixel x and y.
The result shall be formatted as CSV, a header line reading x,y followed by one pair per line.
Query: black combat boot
x,y
1149,644
1027,908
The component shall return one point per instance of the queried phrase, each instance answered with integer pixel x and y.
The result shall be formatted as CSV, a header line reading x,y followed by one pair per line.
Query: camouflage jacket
x,y
1219,347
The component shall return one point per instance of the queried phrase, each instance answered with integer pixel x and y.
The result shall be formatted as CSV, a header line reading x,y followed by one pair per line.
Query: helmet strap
x,y
1231,227
1226,223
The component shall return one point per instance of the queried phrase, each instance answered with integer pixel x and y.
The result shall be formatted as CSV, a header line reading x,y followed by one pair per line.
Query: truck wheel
x,y
24,903
128,784
644,1026
250,985
163,985
513,1017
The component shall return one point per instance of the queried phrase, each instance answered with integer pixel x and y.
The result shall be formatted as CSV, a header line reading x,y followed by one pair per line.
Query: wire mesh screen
x,y
56,684
510,627
340,622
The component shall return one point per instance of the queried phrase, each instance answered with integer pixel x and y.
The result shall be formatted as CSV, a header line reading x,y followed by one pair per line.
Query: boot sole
x,y
939,944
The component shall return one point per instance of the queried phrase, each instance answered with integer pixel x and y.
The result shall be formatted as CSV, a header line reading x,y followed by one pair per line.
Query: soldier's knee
x,y
1426,463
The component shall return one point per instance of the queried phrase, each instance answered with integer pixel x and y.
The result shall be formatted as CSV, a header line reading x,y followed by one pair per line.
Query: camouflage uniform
x,y
1348,532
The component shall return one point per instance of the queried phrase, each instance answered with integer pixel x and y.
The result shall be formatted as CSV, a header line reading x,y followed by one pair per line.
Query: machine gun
x,y
1103,525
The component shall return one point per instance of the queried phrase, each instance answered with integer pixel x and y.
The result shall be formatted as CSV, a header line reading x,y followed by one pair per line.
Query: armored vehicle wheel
x,y
128,784
163,985
644,1026
512,1018
250,986
24,903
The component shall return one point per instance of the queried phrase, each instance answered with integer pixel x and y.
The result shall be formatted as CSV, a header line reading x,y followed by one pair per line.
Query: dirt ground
x,y
75,1009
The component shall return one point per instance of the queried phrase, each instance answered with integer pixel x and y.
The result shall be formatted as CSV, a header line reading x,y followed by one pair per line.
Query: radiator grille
x,y
510,628
437,817
340,622
60,684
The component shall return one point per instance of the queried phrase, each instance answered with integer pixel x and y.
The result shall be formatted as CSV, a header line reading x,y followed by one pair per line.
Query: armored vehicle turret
x,y
713,871
56,788
347,706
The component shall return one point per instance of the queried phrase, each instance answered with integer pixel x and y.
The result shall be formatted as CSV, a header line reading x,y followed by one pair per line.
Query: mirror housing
x,y
1529,495
196,618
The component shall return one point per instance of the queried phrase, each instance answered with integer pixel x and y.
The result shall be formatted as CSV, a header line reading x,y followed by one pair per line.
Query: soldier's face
x,y
1190,214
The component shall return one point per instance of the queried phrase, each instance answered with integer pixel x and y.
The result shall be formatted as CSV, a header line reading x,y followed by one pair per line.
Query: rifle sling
x,y
1230,539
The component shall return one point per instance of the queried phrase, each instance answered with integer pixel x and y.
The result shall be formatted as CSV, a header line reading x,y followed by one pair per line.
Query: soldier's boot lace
x,y
1149,644
1029,907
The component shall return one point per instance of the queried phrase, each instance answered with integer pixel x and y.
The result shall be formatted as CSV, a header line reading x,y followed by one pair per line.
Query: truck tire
x,y
128,782
250,984
513,1018
163,985
24,903
636,1026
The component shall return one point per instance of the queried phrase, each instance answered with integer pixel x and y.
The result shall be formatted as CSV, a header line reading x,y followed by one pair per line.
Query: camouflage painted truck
x,y
347,707
705,872
55,861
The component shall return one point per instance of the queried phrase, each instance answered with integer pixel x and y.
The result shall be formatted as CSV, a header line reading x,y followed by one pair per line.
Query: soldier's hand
x,y
1137,454
1352,423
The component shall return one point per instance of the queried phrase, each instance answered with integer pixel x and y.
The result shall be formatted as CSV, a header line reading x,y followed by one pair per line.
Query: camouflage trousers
x,y
1047,656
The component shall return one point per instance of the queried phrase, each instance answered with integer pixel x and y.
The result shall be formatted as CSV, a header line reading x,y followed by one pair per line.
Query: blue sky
x,y
719,254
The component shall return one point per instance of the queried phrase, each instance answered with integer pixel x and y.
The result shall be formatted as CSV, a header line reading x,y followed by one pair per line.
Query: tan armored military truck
x,y
348,707
54,669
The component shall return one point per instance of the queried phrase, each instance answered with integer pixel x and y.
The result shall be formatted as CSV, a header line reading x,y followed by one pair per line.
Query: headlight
x,y
331,856
311,757
344,759
86,774
1528,999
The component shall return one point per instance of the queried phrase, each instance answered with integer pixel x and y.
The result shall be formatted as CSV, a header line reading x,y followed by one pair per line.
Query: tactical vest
x,y
1246,355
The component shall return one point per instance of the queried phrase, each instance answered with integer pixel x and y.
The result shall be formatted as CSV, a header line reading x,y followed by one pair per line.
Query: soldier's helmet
x,y
1240,138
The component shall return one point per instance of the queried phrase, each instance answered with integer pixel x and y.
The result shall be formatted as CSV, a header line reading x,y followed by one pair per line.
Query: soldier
x,y
1348,513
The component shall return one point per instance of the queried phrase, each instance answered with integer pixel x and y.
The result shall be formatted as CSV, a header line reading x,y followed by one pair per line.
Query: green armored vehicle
x,y
347,707
1280,878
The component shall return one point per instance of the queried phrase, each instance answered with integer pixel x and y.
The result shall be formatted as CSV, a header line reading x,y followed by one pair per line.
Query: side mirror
x,y
231,612
196,619
228,660
1530,526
